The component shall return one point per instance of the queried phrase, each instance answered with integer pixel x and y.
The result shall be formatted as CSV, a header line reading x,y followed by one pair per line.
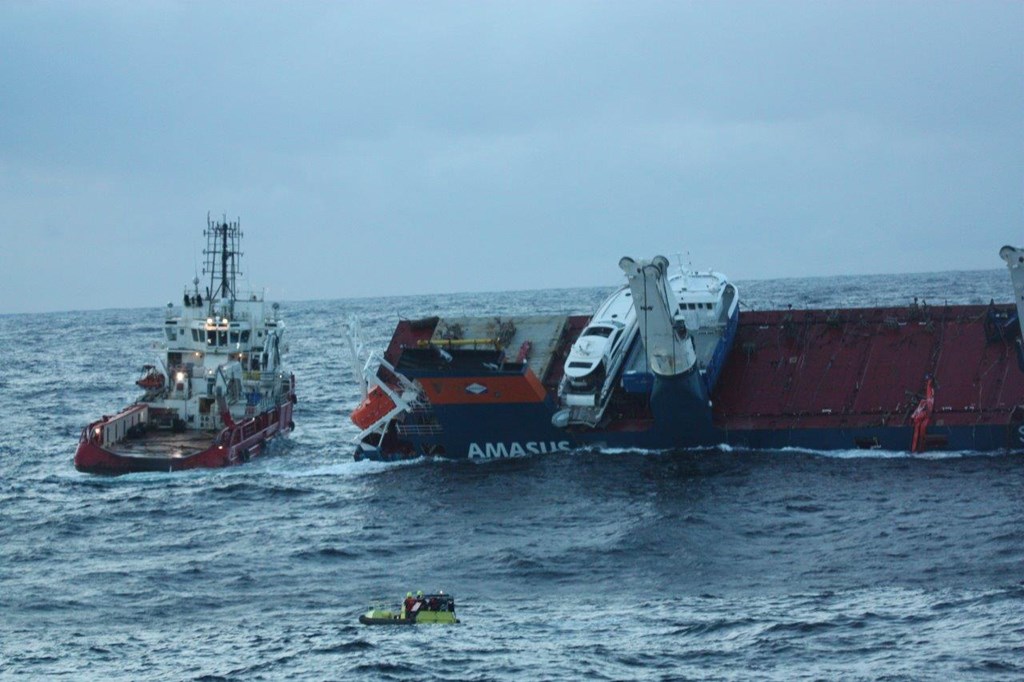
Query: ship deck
x,y
549,336
165,444
542,332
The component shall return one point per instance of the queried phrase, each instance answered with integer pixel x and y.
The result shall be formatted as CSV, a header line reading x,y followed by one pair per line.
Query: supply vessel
x,y
669,361
217,391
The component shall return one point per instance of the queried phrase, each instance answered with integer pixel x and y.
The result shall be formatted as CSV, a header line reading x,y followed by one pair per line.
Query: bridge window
x,y
239,336
216,338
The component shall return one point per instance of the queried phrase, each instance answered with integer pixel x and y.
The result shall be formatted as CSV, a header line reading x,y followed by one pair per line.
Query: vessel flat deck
x,y
542,331
167,444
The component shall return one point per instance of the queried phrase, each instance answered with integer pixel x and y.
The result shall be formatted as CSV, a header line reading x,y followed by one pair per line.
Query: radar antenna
x,y
222,255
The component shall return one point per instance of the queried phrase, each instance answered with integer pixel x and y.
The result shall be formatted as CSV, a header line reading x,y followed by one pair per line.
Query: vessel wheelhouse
x,y
707,307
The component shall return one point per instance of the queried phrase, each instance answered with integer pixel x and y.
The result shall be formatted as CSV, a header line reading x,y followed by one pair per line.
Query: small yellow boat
x,y
432,608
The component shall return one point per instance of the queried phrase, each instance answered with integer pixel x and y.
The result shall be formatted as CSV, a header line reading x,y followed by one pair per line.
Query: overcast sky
x,y
377,148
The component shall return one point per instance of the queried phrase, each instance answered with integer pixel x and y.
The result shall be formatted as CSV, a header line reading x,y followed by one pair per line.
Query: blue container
x,y
637,382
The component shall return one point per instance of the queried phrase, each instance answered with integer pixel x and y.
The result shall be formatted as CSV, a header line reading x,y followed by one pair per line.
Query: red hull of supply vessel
x,y
150,450
914,378
218,391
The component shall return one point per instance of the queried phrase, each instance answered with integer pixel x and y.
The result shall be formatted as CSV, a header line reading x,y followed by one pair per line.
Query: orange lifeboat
x,y
151,379
375,405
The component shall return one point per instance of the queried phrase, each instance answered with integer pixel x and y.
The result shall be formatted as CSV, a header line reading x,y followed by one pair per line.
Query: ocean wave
x,y
722,562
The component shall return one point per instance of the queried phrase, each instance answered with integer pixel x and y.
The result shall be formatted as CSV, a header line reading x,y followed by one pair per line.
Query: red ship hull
x,y
868,368
155,451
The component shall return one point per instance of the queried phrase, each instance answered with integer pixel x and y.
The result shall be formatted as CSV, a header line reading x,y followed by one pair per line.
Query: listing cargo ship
x,y
217,392
669,361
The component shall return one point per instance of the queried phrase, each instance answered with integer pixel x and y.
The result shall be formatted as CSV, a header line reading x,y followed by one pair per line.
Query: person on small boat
x,y
413,605
407,605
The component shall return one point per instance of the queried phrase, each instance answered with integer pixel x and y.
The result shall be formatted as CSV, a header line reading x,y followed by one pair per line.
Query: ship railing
x,y
419,429
367,372
419,420
403,392
113,429
237,314
380,426
405,395
250,296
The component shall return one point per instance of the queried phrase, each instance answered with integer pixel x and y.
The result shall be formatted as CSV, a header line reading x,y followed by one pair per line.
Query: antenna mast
x,y
222,256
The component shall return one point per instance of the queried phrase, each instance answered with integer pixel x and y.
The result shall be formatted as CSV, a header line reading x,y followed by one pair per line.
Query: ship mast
x,y
222,254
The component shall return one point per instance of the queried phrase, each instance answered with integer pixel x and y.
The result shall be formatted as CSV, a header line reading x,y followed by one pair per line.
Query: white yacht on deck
x,y
701,305
596,357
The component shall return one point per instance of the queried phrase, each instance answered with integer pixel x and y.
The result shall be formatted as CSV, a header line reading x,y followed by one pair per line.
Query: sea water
x,y
705,565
